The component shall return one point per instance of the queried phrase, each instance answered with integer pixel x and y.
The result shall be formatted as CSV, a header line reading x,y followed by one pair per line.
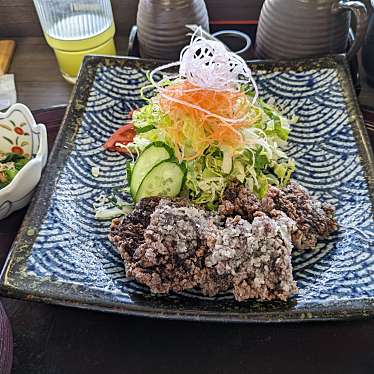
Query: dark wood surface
x,y
57,340
19,18
40,85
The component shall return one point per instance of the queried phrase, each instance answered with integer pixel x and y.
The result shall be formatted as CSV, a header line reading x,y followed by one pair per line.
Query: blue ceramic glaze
x,y
72,261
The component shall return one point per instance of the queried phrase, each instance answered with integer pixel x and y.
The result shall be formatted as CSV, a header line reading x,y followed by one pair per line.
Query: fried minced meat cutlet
x,y
184,247
169,245
314,220
128,234
171,257
256,256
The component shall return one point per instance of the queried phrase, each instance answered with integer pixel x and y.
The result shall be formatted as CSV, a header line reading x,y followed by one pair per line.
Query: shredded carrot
x,y
193,130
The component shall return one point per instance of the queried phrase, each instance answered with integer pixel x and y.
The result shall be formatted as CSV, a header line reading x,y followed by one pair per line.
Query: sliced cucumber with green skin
x,y
165,179
152,155
128,172
143,129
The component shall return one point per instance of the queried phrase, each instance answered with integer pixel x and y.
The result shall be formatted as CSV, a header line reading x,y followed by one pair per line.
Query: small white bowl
x,y
19,133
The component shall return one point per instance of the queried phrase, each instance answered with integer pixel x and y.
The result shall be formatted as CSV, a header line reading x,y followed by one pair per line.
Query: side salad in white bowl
x,y
23,155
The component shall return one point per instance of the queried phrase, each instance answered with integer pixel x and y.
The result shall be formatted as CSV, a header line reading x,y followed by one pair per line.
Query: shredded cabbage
x,y
257,164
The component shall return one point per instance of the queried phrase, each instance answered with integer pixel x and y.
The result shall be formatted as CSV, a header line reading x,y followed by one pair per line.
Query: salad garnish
x,y
212,127
10,165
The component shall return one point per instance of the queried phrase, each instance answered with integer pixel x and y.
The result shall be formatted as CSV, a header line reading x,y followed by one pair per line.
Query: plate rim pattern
x,y
15,282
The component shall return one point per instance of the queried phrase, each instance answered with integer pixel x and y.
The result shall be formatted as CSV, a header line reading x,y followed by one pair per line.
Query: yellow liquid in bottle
x,y
70,52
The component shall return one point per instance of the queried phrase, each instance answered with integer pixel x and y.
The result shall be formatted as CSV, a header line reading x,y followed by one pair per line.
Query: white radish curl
x,y
207,64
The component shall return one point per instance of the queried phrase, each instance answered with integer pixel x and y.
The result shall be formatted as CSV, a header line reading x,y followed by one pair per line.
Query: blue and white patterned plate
x,y
62,254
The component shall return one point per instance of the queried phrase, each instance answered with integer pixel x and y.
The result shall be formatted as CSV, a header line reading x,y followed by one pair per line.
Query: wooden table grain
x,y
58,340
40,84
38,79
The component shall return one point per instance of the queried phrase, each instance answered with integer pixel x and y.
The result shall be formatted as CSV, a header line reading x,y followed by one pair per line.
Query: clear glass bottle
x,y
76,28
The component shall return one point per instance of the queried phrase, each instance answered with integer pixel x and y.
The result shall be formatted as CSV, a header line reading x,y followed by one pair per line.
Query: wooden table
x,y
40,84
58,340
38,80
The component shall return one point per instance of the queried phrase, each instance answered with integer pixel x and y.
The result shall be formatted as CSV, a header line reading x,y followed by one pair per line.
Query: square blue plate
x,y
62,255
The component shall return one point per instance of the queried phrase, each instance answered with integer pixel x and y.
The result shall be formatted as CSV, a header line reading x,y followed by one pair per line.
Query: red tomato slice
x,y
124,135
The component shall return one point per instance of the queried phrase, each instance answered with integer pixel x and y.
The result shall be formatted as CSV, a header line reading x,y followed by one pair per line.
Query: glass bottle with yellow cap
x,y
76,28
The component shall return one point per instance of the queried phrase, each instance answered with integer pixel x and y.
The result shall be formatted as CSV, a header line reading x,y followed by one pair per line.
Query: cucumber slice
x,y
151,156
165,179
143,129
128,172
